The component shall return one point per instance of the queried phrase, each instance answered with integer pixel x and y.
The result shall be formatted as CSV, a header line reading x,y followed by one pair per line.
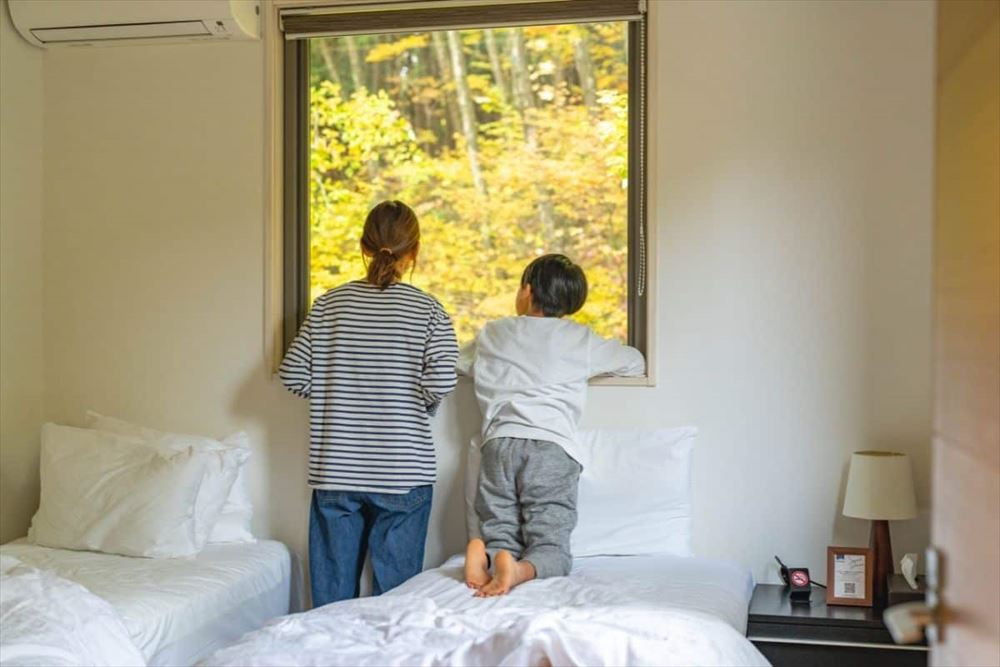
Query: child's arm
x,y
609,357
296,368
438,378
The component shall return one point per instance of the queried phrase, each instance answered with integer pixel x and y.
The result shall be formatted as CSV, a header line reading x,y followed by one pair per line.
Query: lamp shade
x,y
880,486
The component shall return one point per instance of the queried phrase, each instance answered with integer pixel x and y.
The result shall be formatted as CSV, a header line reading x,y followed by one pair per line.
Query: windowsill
x,y
611,381
607,381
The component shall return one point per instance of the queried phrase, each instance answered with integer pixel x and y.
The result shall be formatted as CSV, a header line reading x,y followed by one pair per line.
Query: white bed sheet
x,y
47,621
178,610
650,610
719,588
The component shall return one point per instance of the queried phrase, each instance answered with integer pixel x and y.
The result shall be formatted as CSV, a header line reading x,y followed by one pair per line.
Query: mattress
x,y
178,610
634,610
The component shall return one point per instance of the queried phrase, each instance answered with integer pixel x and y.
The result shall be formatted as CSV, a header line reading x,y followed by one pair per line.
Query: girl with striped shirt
x,y
374,357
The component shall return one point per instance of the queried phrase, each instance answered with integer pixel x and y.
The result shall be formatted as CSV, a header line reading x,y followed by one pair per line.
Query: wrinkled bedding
x,y
48,620
610,611
177,610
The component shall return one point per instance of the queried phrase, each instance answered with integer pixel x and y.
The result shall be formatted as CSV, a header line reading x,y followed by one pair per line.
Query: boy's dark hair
x,y
558,286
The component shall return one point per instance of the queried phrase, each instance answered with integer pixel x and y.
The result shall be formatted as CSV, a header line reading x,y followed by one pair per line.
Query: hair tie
x,y
386,250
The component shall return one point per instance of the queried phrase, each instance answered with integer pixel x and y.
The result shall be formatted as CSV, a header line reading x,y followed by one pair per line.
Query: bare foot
x,y
477,572
508,573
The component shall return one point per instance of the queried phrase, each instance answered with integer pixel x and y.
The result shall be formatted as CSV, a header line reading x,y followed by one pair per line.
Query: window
x,y
512,130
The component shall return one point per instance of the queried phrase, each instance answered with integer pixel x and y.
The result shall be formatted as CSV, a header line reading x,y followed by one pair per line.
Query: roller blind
x,y
366,18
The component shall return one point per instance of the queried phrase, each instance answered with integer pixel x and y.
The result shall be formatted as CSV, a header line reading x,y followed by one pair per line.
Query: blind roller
x,y
419,15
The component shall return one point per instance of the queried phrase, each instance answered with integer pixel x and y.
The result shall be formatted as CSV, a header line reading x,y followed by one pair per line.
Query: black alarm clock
x,y
798,582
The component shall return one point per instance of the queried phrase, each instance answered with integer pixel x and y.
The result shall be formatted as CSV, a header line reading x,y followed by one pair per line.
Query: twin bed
x,y
174,611
626,610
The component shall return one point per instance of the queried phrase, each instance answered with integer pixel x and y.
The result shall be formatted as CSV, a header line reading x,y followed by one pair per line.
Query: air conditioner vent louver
x,y
121,31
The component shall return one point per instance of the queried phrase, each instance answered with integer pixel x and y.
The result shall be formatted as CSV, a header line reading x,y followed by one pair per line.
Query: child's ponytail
x,y
390,241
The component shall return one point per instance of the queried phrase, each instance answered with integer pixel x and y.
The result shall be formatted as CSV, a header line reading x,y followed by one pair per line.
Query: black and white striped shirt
x,y
374,365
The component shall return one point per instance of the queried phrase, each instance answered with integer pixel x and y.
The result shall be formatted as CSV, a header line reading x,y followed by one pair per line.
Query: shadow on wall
x,y
456,423
279,422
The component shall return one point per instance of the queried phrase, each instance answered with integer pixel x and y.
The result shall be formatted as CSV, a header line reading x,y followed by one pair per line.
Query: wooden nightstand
x,y
822,636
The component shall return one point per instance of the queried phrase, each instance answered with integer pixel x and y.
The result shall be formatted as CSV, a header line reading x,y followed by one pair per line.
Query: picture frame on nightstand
x,y
850,576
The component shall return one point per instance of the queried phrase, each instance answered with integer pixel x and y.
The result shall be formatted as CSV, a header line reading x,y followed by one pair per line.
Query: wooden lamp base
x,y
881,544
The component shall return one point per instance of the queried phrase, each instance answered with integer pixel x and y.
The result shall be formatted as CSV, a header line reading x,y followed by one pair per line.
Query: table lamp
x,y
880,488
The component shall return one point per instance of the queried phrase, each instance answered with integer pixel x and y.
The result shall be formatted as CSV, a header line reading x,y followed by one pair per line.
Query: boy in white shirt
x,y
531,375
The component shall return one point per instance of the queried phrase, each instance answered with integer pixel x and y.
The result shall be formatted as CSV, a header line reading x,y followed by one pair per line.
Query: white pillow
x,y
104,492
224,507
233,524
634,495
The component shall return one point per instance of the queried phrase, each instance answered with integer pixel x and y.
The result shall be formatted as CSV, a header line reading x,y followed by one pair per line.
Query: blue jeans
x,y
391,527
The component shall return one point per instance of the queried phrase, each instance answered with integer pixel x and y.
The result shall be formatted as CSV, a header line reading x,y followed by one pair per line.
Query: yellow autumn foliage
x,y
555,180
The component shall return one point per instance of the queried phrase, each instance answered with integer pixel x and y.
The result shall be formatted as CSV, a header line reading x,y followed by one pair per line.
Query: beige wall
x,y
20,277
792,180
154,254
794,148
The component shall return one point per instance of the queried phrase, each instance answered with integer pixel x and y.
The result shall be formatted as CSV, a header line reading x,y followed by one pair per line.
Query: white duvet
x,y
48,620
615,611
178,610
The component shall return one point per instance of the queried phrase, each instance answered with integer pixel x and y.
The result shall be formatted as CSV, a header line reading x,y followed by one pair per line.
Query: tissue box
x,y
900,591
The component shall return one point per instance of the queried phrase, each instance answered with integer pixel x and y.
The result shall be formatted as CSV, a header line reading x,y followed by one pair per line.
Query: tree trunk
x,y
494,53
559,86
357,74
467,109
405,99
328,60
420,68
584,67
425,118
441,55
524,100
379,71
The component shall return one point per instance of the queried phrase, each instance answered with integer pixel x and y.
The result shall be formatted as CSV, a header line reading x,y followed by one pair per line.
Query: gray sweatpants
x,y
527,502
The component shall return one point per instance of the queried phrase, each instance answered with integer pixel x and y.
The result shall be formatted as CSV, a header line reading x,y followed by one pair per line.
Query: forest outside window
x,y
512,130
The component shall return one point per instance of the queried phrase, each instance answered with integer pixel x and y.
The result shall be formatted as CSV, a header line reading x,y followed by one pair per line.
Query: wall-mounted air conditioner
x,y
90,22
